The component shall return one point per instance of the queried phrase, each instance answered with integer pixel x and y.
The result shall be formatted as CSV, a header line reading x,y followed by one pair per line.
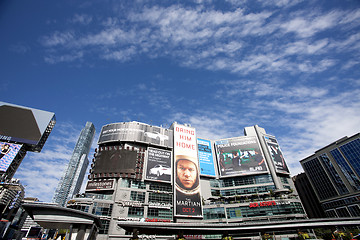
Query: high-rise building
x,y
334,174
308,197
73,176
148,173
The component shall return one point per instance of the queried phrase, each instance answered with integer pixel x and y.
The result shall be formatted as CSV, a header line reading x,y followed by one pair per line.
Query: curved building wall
x,y
139,184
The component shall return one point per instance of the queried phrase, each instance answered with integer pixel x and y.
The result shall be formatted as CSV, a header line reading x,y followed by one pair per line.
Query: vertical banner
x,y
158,165
276,154
187,197
206,158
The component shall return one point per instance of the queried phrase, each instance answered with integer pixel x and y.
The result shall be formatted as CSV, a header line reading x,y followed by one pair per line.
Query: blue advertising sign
x,y
206,158
8,152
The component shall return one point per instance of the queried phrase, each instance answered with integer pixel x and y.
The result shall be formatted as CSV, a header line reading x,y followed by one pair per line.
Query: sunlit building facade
x,y
73,176
136,176
334,173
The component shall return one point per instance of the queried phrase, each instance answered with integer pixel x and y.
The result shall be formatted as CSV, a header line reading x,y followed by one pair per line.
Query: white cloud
x,y
41,172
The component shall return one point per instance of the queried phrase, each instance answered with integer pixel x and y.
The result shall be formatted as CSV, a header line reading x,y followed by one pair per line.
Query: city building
x,y
152,174
73,176
308,197
333,172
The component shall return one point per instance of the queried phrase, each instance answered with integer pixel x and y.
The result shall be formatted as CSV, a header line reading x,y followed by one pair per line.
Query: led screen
x,y
113,159
158,165
206,158
276,154
22,124
7,154
138,132
239,156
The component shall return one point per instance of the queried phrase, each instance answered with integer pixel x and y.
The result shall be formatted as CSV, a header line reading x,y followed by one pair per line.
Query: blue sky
x,y
289,66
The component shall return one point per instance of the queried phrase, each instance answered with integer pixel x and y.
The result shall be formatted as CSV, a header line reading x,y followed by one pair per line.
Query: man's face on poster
x,y
186,172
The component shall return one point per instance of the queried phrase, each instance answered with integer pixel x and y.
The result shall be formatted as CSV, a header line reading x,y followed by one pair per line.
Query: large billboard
x,y
276,154
206,158
158,165
114,159
22,124
187,199
138,132
240,156
7,154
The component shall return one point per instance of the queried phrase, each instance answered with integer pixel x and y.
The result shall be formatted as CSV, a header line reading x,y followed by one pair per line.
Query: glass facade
x,y
70,182
247,212
351,151
346,169
319,178
339,184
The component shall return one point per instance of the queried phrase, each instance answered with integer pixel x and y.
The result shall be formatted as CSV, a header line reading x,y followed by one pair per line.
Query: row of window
x,y
240,181
246,211
241,191
152,213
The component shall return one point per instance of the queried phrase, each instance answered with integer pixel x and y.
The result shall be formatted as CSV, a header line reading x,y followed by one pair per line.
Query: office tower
x,y
73,176
334,174
138,174
308,197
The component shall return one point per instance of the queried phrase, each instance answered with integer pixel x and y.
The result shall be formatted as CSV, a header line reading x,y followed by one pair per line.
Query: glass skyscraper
x,y
73,176
334,173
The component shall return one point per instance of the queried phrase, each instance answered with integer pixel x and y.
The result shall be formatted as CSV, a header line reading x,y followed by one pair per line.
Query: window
x,y
136,212
105,226
102,209
160,197
214,213
160,213
137,196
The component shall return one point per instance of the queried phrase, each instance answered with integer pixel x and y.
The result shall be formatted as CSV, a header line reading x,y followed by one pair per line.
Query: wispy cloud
x,y
41,172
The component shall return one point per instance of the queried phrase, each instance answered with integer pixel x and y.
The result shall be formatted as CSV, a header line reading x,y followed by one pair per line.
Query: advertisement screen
x,y
22,124
158,165
113,159
138,132
186,171
239,156
7,154
206,158
104,184
276,154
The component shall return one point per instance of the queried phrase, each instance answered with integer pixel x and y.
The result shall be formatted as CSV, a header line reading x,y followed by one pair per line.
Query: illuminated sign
x,y
100,185
240,156
206,158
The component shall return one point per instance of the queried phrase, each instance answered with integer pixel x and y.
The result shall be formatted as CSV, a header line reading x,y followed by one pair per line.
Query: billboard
x,y
114,159
158,165
276,154
240,156
206,158
187,199
104,184
7,154
138,132
22,124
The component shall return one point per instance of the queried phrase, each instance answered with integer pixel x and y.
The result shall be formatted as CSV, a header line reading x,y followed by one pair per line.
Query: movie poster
x,y
158,165
206,158
187,197
276,154
240,156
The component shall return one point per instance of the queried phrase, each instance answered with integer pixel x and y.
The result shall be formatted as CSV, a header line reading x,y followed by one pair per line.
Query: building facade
x,y
73,176
154,174
308,197
334,174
